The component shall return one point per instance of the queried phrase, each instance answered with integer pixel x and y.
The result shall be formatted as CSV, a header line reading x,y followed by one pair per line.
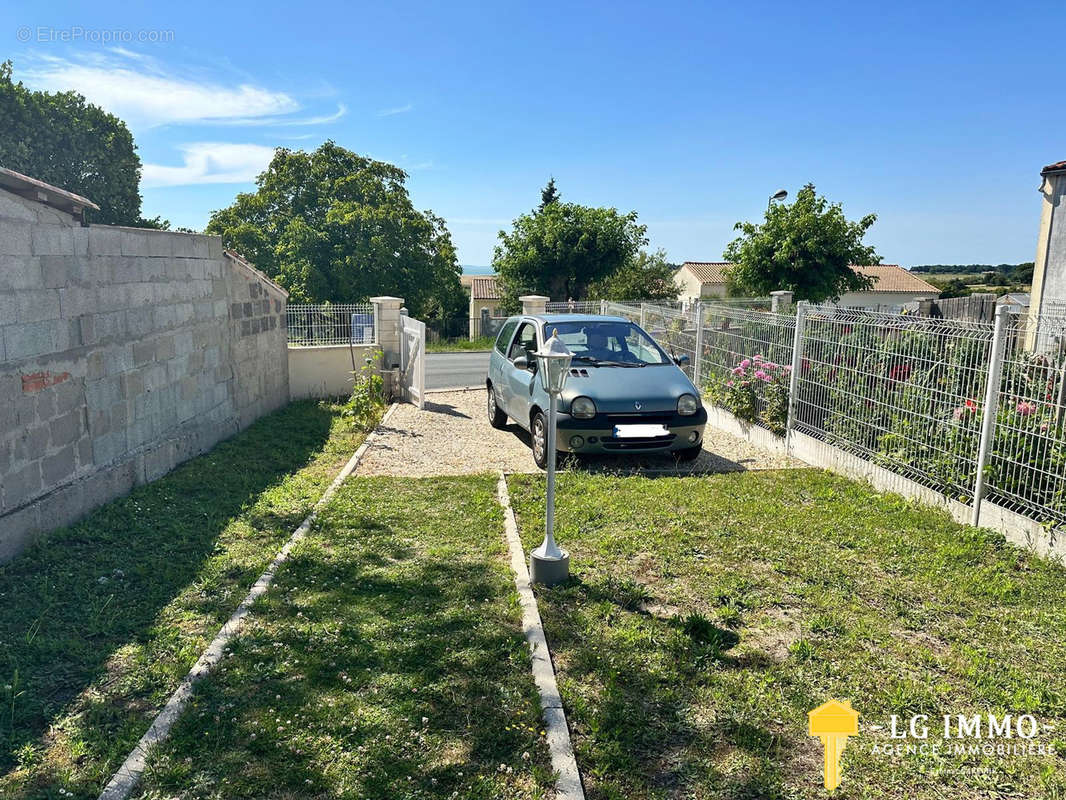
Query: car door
x,y
499,366
519,381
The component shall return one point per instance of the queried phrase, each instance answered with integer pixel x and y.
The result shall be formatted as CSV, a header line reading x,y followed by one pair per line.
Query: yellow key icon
x,y
833,722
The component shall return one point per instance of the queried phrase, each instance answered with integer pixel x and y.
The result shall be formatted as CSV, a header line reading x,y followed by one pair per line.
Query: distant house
x,y
893,285
1016,302
1049,270
484,295
701,279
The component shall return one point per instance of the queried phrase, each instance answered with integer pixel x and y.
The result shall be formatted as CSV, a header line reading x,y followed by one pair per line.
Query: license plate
x,y
639,431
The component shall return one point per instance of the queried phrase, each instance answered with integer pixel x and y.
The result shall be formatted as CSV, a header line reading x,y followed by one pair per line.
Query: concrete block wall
x,y
123,352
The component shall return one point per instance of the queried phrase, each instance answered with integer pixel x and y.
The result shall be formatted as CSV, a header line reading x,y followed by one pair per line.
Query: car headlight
x,y
583,408
687,405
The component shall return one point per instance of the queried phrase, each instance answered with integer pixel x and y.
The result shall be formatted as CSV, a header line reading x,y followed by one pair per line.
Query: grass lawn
x,y
460,345
100,622
387,661
707,616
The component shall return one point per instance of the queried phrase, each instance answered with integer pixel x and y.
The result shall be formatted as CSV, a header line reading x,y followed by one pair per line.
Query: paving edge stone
x,y
564,762
126,778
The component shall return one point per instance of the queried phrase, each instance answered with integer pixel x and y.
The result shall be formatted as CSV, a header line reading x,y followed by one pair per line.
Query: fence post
x,y
643,314
988,422
697,359
603,308
793,378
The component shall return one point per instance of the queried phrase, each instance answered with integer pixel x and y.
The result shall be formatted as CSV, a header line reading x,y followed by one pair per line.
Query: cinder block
x,y
8,308
18,530
103,393
81,241
55,270
127,269
32,444
161,243
105,240
110,326
214,249
60,467
143,352
13,207
20,272
22,485
35,339
157,269
139,322
53,240
16,238
99,422
135,243
65,430
76,301
62,507
38,304
109,447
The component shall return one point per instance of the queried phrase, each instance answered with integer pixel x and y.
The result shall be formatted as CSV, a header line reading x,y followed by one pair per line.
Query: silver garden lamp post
x,y
548,564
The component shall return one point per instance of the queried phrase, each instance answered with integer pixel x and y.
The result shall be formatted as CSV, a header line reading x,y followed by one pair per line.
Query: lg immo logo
x,y
952,735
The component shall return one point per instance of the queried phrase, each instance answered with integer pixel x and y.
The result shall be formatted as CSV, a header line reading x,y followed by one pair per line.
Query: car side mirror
x,y
681,359
521,363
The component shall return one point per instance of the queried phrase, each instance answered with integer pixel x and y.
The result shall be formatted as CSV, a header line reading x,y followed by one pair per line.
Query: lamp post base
x,y
549,571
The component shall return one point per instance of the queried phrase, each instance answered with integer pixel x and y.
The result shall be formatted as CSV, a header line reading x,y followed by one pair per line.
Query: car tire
x,y
538,436
689,453
497,418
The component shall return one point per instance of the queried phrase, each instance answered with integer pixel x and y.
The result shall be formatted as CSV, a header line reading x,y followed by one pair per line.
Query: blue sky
x,y
935,116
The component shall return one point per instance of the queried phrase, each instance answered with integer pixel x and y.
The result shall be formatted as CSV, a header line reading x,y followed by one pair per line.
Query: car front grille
x,y
642,443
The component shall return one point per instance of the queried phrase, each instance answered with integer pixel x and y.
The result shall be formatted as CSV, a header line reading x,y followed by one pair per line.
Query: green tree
x,y
62,140
956,287
333,226
549,194
560,249
806,247
647,276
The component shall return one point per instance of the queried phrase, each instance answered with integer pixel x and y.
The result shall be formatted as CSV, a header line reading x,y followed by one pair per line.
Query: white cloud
x,y
389,112
139,91
320,120
210,162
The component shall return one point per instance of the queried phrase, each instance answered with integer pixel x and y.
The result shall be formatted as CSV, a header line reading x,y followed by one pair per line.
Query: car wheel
x,y
538,431
497,418
689,453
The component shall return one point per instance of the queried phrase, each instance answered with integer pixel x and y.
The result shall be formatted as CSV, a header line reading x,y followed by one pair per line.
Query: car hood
x,y
615,390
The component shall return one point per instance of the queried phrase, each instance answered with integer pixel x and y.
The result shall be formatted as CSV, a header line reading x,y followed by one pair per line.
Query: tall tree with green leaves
x,y
549,194
560,249
647,276
806,247
334,226
60,139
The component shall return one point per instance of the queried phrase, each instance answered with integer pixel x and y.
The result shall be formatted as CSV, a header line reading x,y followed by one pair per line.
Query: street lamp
x,y
779,195
548,564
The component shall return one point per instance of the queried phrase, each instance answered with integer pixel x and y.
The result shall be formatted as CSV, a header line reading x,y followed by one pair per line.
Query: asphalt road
x,y
454,370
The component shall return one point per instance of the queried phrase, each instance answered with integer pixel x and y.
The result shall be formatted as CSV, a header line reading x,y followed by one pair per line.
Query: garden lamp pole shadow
x,y
549,564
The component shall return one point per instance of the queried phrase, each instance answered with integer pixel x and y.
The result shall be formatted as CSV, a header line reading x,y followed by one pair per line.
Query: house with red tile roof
x,y
893,285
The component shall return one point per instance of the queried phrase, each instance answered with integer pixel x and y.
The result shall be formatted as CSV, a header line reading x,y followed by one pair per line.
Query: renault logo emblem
x,y
638,406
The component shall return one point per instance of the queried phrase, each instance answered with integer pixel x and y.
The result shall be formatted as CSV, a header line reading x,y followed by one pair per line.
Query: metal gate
x,y
413,360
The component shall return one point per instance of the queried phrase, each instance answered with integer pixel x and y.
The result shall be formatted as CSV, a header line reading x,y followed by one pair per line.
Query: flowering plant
x,y
756,390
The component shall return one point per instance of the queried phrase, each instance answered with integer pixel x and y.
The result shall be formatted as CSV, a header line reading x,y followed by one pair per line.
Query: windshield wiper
x,y
602,363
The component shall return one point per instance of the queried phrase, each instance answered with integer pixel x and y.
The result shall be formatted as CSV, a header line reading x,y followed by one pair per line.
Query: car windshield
x,y
608,344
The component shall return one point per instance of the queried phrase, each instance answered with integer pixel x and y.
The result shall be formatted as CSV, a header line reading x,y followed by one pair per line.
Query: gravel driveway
x,y
453,437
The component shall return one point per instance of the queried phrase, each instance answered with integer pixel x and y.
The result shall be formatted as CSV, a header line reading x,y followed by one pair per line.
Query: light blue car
x,y
624,393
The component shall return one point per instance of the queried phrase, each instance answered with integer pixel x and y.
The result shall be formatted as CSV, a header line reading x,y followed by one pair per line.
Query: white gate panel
x,y
413,360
